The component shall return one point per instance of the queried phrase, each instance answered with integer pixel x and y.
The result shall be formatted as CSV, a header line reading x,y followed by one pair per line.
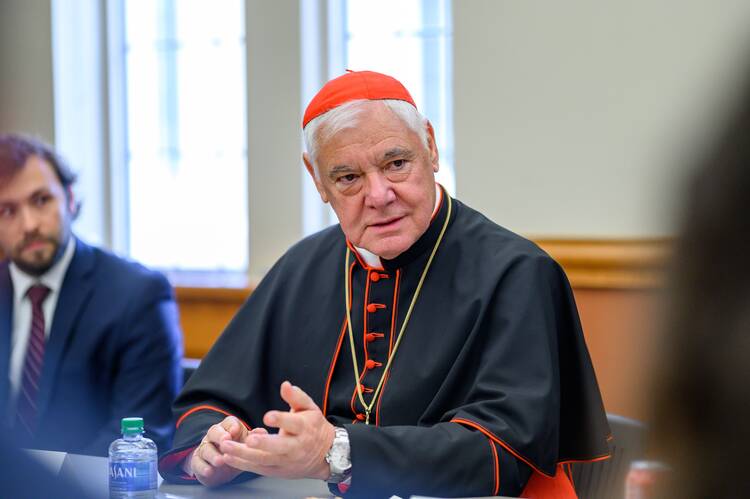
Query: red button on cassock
x,y
361,417
374,276
371,337
372,307
370,364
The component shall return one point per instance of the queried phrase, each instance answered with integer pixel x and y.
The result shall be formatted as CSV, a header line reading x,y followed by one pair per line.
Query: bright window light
x,y
186,147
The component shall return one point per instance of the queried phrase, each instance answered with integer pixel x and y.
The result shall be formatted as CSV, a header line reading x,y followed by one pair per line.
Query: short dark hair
x,y
16,149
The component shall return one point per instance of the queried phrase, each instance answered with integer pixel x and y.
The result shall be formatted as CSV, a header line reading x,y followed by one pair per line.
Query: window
x,y
185,153
410,40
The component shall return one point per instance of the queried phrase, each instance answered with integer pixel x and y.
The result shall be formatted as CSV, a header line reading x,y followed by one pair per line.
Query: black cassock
x,y
491,382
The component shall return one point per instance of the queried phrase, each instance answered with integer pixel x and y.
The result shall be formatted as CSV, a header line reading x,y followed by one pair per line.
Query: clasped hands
x,y
297,451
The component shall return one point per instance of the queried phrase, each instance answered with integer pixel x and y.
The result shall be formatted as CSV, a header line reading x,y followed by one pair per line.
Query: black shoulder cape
x,y
492,380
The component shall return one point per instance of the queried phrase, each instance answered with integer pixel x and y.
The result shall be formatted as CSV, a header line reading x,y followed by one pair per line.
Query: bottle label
x,y
128,476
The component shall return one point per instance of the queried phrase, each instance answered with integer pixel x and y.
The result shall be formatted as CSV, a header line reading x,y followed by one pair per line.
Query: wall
x,y
576,118
620,326
26,62
273,127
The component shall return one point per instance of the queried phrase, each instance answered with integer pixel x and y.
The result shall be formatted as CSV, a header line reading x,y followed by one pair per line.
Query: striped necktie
x,y
32,367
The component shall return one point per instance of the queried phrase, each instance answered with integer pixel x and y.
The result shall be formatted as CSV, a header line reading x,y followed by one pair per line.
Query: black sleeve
x,y
229,381
445,460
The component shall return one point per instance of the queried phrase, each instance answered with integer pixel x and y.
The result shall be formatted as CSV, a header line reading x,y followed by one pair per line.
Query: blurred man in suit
x,y
86,338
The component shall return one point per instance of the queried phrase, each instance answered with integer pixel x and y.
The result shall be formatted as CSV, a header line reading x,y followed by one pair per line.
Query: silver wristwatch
x,y
339,457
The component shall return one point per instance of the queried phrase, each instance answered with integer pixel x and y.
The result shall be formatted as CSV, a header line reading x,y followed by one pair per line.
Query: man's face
x,y
35,216
380,180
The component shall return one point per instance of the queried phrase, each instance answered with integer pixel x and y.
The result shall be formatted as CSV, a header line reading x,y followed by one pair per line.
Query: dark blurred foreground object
x,y
702,403
23,477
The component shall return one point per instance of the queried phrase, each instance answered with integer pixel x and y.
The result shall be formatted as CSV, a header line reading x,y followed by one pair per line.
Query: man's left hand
x,y
297,451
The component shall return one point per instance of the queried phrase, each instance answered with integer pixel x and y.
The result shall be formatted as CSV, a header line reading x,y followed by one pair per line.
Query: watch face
x,y
338,457
340,462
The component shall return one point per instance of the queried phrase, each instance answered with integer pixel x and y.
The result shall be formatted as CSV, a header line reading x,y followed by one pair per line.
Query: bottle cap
x,y
131,426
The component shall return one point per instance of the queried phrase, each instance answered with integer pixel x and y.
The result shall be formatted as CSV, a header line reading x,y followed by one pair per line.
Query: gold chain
x,y
368,408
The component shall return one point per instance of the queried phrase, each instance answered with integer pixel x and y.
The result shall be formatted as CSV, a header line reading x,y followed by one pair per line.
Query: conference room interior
x,y
575,124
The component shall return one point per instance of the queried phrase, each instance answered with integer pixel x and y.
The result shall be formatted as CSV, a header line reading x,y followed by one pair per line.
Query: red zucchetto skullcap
x,y
355,85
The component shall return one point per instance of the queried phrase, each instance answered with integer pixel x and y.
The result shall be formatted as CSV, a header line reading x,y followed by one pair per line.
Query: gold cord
x,y
358,384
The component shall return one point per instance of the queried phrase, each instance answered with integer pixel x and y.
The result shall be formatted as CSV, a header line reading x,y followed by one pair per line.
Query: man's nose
x,y
379,191
29,219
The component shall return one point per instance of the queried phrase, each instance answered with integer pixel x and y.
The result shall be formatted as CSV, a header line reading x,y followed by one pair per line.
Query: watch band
x,y
338,457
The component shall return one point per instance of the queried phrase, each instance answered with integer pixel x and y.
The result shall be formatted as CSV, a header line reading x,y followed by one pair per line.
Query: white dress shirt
x,y
22,314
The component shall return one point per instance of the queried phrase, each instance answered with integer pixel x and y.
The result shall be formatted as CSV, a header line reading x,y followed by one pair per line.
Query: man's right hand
x,y
206,462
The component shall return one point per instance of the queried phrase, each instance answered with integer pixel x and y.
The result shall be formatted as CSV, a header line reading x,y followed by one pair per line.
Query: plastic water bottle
x,y
132,463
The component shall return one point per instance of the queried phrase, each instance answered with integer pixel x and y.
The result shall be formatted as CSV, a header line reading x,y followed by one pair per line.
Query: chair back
x,y
606,479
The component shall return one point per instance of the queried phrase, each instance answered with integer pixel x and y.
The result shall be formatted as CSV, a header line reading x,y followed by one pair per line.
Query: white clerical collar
x,y
53,278
373,260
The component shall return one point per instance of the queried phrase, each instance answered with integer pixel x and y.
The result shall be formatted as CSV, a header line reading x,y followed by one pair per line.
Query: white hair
x,y
347,116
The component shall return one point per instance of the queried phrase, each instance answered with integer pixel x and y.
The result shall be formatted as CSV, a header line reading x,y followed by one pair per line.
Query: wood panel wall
x,y
616,285
620,328
204,313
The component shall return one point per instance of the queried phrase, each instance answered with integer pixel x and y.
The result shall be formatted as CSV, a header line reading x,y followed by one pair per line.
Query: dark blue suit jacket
x,y
113,351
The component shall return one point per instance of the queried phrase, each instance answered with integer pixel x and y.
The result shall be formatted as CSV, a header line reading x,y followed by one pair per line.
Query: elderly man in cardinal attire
x,y
414,348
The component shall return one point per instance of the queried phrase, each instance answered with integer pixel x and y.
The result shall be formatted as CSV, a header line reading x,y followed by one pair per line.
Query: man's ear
x,y
70,199
432,146
311,170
